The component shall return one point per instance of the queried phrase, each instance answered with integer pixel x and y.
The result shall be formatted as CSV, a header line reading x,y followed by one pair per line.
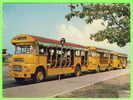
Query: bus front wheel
x,y
39,75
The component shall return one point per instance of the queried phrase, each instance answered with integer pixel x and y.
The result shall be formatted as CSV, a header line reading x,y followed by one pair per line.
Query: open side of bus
x,y
104,59
36,57
122,60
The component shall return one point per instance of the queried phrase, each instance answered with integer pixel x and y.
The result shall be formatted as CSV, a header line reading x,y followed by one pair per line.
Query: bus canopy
x,y
24,38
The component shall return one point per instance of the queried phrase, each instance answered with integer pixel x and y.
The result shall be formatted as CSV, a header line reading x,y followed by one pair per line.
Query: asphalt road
x,y
52,87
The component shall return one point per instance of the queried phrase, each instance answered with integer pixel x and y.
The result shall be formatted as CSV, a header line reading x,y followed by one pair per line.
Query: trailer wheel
x,y
123,67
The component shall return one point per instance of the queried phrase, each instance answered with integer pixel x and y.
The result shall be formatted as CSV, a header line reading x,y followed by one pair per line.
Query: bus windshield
x,y
24,49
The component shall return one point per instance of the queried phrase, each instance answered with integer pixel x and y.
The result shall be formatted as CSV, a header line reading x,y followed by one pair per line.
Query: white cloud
x,y
80,34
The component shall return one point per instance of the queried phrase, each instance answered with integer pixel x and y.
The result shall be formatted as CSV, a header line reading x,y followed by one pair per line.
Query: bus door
x,y
42,57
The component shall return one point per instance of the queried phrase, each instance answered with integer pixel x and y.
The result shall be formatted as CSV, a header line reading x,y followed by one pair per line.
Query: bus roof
x,y
123,55
93,48
119,54
103,50
23,38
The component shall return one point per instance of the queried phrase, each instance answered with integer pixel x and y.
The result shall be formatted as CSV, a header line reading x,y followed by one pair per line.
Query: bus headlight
x,y
17,68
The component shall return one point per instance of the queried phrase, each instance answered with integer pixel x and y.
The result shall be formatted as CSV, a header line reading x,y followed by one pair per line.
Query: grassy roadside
x,y
113,88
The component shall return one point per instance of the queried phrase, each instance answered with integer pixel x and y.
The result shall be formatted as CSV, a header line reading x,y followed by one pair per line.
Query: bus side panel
x,y
115,63
84,67
92,63
41,61
57,71
77,60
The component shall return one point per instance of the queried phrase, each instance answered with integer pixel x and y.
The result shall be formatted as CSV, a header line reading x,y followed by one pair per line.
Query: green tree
x,y
117,17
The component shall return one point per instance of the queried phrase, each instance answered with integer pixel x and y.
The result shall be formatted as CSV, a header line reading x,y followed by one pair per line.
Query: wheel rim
x,y
40,76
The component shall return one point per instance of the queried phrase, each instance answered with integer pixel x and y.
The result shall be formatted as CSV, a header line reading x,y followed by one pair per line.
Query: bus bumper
x,y
26,71
13,74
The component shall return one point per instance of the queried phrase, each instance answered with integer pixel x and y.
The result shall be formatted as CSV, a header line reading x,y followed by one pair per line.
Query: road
x,y
53,87
10,82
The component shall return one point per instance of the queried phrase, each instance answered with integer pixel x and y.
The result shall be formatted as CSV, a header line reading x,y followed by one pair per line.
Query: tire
x,y
19,80
97,69
77,71
123,67
39,75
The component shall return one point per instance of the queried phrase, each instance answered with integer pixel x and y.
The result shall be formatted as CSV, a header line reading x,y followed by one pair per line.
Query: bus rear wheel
x,y
39,75
19,80
77,71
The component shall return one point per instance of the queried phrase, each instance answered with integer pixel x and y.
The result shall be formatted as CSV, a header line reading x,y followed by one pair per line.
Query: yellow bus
x,y
115,61
118,60
36,57
122,60
104,59
93,59
100,59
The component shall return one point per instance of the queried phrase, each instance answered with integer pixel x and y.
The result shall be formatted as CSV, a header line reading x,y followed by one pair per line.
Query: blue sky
x,y
36,19
48,20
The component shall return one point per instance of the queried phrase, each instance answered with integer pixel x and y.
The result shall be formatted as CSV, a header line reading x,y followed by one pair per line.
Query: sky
x,y
48,20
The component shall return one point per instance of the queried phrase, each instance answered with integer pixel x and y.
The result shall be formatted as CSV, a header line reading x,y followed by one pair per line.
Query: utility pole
x,y
62,41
